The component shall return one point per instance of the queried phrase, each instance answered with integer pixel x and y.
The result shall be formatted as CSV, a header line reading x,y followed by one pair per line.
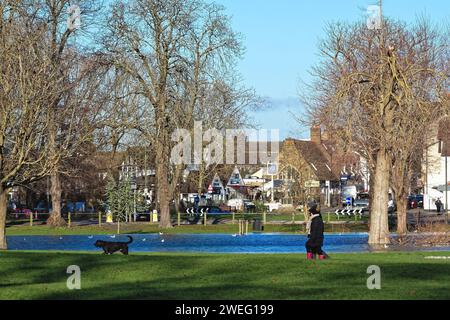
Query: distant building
x,y
306,171
434,165
218,191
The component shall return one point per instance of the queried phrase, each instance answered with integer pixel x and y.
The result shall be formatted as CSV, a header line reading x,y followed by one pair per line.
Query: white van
x,y
237,204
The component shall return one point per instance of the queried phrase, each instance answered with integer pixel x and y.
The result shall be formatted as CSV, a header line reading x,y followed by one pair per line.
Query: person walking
x,y
438,204
315,228
196,203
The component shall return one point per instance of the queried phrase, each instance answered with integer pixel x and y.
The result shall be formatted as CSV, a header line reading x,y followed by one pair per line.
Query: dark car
x,y
143,216
412,202
211,210
362,201
249,206
415,201
419,199
20,209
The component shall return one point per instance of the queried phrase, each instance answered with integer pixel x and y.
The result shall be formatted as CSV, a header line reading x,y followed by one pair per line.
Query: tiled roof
x,y
312,154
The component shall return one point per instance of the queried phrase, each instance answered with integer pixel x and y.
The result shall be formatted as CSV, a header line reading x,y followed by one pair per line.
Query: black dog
x,y
111,247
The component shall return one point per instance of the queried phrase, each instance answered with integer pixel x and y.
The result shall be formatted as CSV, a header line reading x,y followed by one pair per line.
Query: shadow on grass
x,y
166,276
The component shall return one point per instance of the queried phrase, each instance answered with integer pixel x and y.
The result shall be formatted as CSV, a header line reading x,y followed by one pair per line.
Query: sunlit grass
x,y
42,275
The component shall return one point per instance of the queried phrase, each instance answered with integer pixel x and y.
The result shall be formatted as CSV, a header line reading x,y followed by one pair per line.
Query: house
x,y
236,188
217,190
436,167
306,169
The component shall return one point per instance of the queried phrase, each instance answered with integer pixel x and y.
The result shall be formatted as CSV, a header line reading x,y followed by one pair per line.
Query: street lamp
x,y
272,170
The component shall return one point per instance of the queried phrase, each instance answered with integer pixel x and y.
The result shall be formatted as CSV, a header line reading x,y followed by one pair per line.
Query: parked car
x,y
21,209
212,210
419,198
272,206
362,201
415,201
249,206
11,207
412,202
237,204
143,216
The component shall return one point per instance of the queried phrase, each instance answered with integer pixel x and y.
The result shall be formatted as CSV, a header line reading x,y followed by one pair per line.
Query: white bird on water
x,y
144,239
161,233
90,237
113,236
163,240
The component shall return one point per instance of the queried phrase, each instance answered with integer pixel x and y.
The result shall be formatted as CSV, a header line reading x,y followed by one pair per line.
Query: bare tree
x,y
169,49
27,83
367,87
221,106
59,18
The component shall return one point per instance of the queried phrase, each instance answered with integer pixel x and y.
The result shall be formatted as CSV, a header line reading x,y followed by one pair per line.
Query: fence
x,y
349,212
100,217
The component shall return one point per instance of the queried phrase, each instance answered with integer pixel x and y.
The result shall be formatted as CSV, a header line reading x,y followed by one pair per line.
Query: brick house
x,y
308,171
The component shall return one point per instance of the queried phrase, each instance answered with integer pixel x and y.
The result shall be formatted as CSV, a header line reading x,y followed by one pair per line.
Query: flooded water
x,y
206,243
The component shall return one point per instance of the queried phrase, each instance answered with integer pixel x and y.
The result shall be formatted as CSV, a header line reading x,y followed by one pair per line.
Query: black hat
x,y
312,204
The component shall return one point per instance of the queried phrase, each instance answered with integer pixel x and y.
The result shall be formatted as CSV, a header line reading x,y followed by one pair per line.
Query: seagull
x,y
144,239
161,233
234,235
90,237
60,238
162,240
113,236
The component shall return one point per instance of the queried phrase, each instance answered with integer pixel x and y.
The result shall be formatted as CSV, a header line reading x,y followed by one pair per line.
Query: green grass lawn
x,y
42,275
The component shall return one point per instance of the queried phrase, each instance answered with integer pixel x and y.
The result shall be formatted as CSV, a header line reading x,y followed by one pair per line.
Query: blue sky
x,y
281,38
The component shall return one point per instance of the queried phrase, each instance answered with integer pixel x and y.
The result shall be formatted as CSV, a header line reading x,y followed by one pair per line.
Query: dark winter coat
x,y
316,233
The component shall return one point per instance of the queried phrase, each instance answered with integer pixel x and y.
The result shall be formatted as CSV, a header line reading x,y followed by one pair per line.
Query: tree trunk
x,y
55,219
371,193
163,196
3,206
163,185
379,228
200,181
402,213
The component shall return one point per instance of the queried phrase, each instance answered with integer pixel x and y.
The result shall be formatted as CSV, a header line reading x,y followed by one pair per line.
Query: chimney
x,y
316,134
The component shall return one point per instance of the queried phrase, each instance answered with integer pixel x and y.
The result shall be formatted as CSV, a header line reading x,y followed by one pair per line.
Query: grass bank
x,y
141,228
42,275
